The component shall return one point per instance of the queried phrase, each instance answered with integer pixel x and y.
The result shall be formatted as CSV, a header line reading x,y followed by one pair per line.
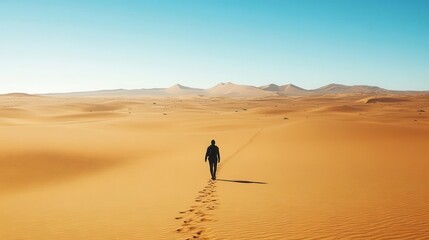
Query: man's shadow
x,y
240,181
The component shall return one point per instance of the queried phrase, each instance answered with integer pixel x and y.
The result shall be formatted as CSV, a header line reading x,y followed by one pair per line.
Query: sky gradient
x,y
62,46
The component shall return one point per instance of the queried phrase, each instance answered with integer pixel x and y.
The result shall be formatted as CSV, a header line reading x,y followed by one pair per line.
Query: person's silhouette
x,y
214,158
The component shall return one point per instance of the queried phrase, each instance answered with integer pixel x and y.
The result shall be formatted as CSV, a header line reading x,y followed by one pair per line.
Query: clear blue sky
x,y
57,46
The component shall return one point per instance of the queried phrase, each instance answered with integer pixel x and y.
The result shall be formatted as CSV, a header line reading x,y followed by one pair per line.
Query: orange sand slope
x,y
317,167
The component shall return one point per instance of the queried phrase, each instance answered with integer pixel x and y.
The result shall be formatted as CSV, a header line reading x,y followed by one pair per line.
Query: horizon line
x,y
220,83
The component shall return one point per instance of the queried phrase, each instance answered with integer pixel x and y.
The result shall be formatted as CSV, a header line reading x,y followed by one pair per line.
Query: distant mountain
x,y
270,87
292,90
288,89
338,88
183,90
234,90
231,90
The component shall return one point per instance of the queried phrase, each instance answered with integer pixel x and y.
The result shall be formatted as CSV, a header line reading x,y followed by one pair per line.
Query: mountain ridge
x,y
229,89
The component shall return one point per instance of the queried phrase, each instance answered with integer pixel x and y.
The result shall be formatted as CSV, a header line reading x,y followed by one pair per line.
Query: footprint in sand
x,y
196,215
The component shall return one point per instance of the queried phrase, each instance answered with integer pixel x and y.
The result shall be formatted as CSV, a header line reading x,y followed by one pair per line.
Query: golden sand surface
x,y
314,167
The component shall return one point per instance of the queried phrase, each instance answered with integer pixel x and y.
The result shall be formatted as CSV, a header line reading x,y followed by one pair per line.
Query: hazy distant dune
x,y
287,90
236,90
338,88
18,95
270,87
179,90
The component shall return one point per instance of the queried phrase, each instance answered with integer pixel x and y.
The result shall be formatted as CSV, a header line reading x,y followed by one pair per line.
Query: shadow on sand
x,y
240,181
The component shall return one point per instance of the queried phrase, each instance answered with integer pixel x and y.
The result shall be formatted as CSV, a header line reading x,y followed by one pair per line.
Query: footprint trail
x,y
192,222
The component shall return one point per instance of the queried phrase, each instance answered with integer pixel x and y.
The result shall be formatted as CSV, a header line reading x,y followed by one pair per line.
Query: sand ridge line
x,y
239,149
193,220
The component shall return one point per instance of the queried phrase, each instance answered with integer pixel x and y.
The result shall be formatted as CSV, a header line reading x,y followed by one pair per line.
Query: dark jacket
x,y
213,153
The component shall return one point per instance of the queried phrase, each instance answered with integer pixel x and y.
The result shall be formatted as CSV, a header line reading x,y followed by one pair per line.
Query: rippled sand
x,y
316,167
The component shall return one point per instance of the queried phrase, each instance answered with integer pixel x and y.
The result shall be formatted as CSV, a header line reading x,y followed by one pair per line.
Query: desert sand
x,y
344,166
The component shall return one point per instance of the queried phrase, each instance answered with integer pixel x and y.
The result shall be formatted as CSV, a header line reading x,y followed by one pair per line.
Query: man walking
x,y
214,158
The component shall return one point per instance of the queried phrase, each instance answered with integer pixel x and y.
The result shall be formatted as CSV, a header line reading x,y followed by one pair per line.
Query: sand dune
x,y
342,108
303,167
383,100
42,167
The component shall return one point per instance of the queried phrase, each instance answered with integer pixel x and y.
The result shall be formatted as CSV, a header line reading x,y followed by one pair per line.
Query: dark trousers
x,y
213,167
